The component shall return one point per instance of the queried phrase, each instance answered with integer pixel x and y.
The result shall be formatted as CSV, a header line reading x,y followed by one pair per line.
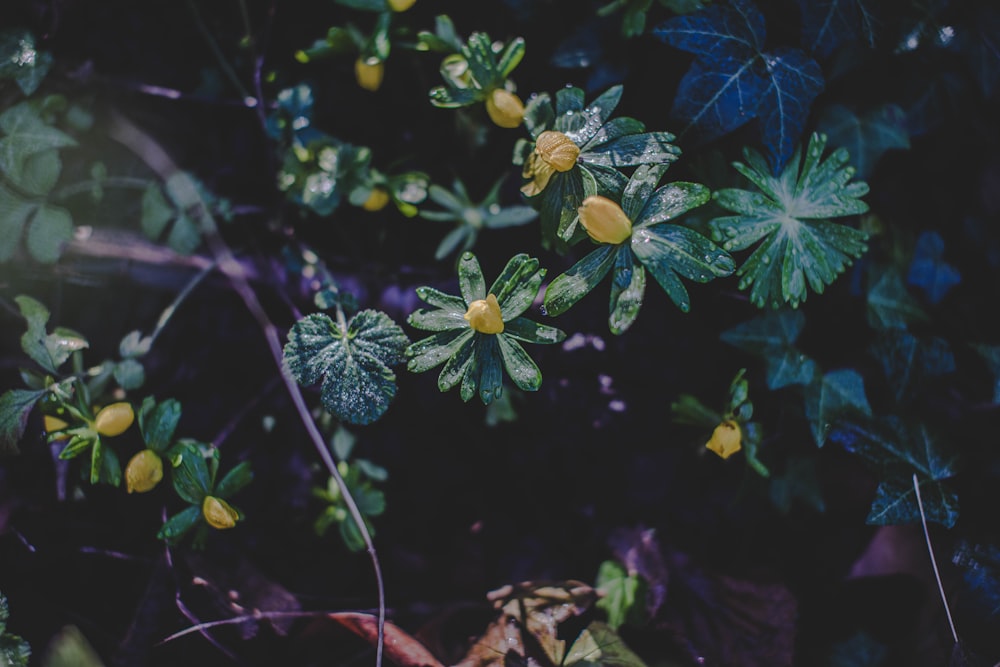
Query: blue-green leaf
x,y
520,367
433,350
353,362
628,285
177,526
890,306
836,393
15,407
866,136
470,278
929,271
234,480
48,350
191,476
525,330
25,134
158,422
909,362
49,231
21,61
568,288
895,502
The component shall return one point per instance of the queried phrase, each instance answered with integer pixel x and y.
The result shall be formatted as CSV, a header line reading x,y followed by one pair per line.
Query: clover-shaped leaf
x,y
799,246
352,359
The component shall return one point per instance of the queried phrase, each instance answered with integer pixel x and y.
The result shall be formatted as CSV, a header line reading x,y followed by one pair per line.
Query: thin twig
x,y
189,615
930,551
219,56
190,198
169,311
255,616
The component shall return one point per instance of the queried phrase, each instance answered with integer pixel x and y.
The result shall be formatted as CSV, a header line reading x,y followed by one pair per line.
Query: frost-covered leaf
x,y
827,398
929,271
733,79
353,362
15,407
797,245
866,136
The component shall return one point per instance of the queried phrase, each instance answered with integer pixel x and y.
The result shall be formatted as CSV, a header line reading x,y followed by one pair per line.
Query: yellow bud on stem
x,y
604,220
143,472
369,72
484,315
218,513
377,200
726,439
401,5
505,108
114,419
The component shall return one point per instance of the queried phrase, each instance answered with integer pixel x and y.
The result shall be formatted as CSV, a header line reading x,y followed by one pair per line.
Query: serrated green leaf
x,y
835,393
799,246
21,61
670,202
49,231
15,407
25,133
354,363
158,422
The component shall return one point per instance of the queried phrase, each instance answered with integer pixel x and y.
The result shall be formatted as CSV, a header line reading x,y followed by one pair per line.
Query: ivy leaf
x,y
836,393
15,407
908,361
991,355
896,503
798,244
867,136
828,24
732,79
772,337
929,271
352,360
980,567
890,306
622,592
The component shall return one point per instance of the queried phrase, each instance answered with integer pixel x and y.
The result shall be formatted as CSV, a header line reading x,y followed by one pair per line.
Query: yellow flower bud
x,y
369,72
114,419
725,440
604,220
218,513
143,472
505,108
401,5
53,423
554,151
377,200
484,315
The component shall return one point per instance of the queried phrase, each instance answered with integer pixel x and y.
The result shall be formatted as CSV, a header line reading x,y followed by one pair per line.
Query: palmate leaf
x,y
353,362
799,246
733,80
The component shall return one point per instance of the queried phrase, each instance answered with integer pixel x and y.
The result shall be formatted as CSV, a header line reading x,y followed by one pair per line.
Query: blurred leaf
x,y
980,568
859,650
234,480
771,336
69,648
829,24
732,79
21,61
836,393
991,355
353,362
799,245
179,524
799,480
48,350
929,271
890,305
50,229
620,592
868,136
909,362
25,134
15,408
129,374
639,551
14,651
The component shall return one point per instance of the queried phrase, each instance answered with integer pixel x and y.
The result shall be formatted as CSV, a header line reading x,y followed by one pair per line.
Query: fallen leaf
x,y
400,647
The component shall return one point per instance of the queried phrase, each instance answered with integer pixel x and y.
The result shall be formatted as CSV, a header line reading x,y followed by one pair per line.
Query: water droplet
x,y
766,259
543,310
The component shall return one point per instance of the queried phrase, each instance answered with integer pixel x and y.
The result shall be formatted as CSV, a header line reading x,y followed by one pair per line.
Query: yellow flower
x,y
505,108
218,513
377,200
484,315
369,72
401,5
725,440
114,419
52,424
143,472
604,220
554,151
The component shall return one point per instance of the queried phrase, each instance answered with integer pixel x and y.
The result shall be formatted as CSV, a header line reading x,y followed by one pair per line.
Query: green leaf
x,y
49,231
40,172
890,305
438,319
523,329
619,592
158,422
433,350
771,336
15,407
604,648
669,250
21,61
156,212
177,526
134,344
836,393
14,651
25,133
522,370
69,648
568,288
867,136
185,235
896,502
517,285
14,214
628,284
192,478
234,480
353,363
798,246
129,374
470,278
670,202
458,357
47,350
